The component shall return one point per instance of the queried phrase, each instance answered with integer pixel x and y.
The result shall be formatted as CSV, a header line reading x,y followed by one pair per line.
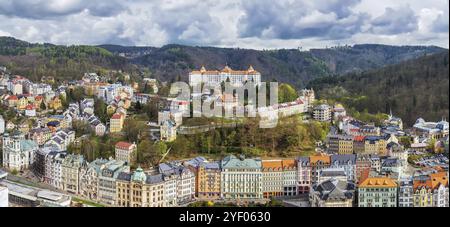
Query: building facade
x,y
241,178
377,192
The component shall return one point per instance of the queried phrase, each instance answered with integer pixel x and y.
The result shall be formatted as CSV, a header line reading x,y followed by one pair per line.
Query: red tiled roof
x,y
123,145
116,116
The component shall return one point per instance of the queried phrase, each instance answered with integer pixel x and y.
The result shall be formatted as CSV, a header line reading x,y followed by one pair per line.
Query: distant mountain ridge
x,y
173,62
285,65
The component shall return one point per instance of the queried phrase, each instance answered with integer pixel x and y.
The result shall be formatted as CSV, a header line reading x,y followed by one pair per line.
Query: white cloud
x,y
260,24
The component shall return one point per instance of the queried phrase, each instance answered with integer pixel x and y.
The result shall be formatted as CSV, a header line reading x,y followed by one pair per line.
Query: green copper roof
x,y
139,175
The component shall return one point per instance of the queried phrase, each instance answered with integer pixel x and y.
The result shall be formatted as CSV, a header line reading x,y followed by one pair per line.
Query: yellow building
x,y
423,193
22,103
140,190
54,103
209,179
116,123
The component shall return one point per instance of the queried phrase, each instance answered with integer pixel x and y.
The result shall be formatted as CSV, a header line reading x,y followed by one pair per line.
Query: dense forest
x,y
291,66
61,62
413,89
173,62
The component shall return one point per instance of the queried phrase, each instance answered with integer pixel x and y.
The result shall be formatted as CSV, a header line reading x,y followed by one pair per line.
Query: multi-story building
x,y
432,130
304,180
125,152
340,144
71,167
363,167
18,153
431,190
322,113
40,135
168,131
377,192
53,169
107,180
241,178
405,192
139,189
333,193
207,178
215,77
370,145
279,178
116,123
89,178
346,162
40,162
318,162
184,178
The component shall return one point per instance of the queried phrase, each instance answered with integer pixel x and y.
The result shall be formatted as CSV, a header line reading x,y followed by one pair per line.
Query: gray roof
x,y
343,159
335,190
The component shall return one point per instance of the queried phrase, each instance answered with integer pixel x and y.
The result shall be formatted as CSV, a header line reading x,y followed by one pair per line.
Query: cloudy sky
x,y
259,24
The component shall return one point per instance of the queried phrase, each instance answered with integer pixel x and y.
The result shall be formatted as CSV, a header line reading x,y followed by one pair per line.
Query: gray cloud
x,y
234,23
47,9
286,19
441,24
395,21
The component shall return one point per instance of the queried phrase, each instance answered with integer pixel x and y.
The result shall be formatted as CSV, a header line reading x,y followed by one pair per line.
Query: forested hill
x,y
413,89
170,62
286,65
62,62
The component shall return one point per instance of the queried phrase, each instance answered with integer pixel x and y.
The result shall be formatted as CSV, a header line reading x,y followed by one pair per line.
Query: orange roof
x,y
438,179
272,164
359,138
123,145
320,157
420,184
37,98
279,164
378,182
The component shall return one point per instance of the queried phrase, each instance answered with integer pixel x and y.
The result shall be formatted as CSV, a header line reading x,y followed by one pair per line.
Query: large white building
x,y
53,169
241,178
184,180
18,153
216,77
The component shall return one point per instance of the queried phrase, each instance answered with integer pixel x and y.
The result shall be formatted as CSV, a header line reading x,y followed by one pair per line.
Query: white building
x,y
18,153
241,178
216,77
175,115
168,131
322,113
185,182
53,169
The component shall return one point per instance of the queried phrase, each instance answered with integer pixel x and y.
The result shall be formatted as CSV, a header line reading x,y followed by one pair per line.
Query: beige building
x,y
125,152
71,169
139,190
